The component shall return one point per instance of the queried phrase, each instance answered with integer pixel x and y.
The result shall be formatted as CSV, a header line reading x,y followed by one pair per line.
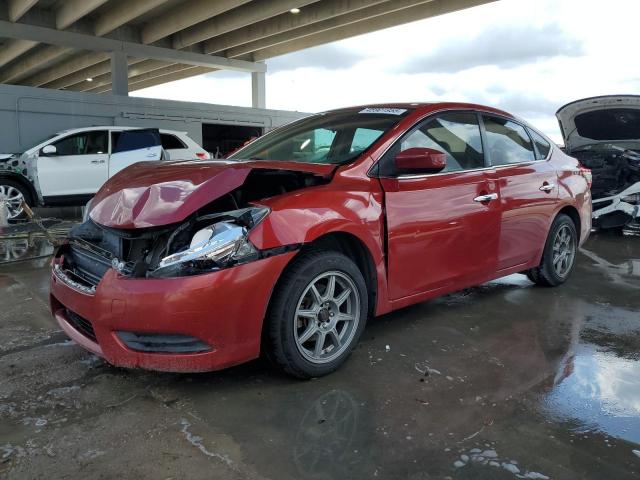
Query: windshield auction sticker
x,y
388,111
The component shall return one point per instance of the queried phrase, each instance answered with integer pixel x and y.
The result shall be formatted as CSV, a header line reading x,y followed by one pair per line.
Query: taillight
x,y
586,173
202,155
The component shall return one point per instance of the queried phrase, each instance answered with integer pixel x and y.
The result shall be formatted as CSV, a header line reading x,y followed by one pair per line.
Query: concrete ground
x,y
501,381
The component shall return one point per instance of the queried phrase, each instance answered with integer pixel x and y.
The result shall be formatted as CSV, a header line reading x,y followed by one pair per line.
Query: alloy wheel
x,y
564,251
326,317
14,199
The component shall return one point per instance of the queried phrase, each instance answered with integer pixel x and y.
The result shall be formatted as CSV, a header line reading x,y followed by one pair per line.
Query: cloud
x,y
506,46
325,57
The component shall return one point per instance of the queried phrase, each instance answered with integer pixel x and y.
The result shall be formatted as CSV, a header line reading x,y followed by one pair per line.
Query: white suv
x,y
70,167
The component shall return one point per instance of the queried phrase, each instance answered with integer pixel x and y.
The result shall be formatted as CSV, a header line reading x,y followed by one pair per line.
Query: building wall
x,y
29,115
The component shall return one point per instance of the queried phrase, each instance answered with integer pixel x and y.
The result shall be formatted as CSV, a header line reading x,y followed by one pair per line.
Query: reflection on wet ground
x,y
505,380
20,249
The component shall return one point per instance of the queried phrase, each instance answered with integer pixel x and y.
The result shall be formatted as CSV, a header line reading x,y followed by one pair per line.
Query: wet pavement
x,y
505,380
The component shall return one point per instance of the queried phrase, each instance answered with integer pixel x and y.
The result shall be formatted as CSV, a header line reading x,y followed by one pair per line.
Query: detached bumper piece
x,y
163,343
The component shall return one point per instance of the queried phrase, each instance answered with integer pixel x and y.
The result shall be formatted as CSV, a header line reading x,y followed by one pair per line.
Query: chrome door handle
x,y
486,198
97,161
152,155
548,187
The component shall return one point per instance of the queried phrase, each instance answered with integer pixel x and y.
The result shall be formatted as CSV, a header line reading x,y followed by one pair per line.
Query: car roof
x,y
426,107
115,127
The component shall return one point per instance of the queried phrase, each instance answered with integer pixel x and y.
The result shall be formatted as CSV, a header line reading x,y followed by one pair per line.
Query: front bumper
x,y
612,212
224,309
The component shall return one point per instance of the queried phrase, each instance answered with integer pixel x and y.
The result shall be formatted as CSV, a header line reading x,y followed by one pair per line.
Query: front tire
x,y
316,315
15,193
559,254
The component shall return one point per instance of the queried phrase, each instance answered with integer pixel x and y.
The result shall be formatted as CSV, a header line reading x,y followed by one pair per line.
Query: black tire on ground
x,y
547,274
7,182
283,325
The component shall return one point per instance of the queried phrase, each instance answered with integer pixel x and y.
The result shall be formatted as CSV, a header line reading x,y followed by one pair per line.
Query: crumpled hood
x,y
606,119
152,194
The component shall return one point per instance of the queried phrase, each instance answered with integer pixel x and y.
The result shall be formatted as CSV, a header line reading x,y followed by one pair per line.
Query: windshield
x,y
331,138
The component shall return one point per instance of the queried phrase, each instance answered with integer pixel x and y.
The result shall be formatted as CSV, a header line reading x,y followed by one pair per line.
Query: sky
x,y
528,57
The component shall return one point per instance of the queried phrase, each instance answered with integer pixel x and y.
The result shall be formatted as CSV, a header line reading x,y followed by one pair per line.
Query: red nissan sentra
x,y
290,245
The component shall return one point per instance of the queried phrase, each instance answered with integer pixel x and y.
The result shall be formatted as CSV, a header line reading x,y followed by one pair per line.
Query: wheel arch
x,y
574,215
354,248
22,180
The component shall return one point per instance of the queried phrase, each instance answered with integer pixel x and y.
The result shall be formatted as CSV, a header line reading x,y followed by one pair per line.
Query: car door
x,y
133,146
442,228
528,190
78,167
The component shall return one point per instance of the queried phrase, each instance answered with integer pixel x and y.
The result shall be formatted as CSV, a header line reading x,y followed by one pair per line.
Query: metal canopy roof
x,y
60,44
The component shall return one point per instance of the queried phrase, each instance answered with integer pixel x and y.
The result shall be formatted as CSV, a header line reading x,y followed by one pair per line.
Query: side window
x,y
542,145
129,140
72,145
507,142
456,134
85,143
97,143
363,138
170,142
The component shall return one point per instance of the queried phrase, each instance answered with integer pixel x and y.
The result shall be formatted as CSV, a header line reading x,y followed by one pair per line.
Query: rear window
x,y
542,145
170,142
612,124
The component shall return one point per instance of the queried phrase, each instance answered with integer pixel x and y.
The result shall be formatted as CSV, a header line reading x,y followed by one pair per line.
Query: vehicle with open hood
x,y
291,244
603,133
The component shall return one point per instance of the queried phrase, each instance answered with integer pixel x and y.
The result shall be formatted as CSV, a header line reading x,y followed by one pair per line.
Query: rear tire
x,y
316,315
559,254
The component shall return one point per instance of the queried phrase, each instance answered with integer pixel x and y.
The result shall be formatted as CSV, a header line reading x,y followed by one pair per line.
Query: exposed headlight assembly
x,y
633,199
216,246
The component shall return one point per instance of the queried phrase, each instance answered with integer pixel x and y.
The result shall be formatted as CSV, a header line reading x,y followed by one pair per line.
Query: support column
x,y
258,90
119,74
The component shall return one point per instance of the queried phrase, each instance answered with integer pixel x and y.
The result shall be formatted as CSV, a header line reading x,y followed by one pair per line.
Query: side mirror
x,y
422,159
49,150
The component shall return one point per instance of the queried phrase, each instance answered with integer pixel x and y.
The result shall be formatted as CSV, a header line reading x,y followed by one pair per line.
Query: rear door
x,y
442,228
528,189
133,146
78,167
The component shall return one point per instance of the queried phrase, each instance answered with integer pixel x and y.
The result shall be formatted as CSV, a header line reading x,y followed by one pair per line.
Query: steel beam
x,y
75,64
13,49
101,44
123,13
384,8
315,13
95,72
400,17
136,67
20,70
72,10
184,15
248,14
17,8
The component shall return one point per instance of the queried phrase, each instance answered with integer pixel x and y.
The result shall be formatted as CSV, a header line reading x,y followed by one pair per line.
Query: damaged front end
x,y
213,237
603,133
616,185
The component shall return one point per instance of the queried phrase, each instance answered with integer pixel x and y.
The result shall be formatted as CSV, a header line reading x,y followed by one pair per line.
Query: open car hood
x,y
152,194
607,119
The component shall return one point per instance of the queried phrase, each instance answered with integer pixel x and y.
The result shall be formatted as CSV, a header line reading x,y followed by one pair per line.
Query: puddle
x,y
13,250
600,389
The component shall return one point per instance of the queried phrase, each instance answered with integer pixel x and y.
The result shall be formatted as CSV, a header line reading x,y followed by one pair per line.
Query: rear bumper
x,y
224,309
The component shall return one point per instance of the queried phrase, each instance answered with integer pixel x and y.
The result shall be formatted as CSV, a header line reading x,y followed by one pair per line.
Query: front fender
x,y
300,218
